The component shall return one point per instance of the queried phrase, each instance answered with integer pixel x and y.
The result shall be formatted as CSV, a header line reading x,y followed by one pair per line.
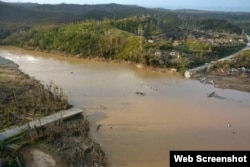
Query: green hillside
x,y
87,39
178,39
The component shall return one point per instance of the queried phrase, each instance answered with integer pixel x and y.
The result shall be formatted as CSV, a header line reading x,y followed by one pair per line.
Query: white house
x,y
175,53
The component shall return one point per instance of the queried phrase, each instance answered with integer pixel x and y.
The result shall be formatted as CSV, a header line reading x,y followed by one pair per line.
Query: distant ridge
x,y
63,13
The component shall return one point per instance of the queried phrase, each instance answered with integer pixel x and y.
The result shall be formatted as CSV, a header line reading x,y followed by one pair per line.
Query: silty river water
x,y
139,131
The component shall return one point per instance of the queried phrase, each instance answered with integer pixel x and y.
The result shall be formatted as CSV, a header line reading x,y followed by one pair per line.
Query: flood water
x,y
139,131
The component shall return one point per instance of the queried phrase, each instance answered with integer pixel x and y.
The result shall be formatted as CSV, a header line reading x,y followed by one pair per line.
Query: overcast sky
x,y
235,5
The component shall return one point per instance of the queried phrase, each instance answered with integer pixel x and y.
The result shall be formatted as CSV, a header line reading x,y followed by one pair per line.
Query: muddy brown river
x,y
139,131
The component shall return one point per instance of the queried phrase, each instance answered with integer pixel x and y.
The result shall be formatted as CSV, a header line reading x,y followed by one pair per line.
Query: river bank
x,y
232,72
217,79
63,143
239,82
227,73
55,53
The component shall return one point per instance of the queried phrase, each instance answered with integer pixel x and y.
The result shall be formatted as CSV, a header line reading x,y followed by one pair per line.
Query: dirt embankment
x,y
222,79
63,143
232,72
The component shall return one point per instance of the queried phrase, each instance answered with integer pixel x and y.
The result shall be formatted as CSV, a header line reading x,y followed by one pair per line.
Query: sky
x,y
219,5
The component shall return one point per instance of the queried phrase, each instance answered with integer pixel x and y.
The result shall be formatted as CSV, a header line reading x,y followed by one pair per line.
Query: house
x,y
175,53
241,40
176,43
157,53
211,41
150,41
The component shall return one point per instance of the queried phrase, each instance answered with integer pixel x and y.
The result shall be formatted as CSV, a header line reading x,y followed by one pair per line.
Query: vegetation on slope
x,y
87,39
242,60
155,37
23,99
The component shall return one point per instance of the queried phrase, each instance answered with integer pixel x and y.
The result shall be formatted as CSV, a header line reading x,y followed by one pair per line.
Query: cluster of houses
x,y
171,53
220,41
214,38
157,52
210,38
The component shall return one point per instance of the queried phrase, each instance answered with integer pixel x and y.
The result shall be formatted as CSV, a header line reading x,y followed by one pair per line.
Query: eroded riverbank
x,y
60,143
238,82
139,131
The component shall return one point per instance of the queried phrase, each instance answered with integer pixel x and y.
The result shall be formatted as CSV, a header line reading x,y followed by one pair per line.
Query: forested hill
x,y
155,37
